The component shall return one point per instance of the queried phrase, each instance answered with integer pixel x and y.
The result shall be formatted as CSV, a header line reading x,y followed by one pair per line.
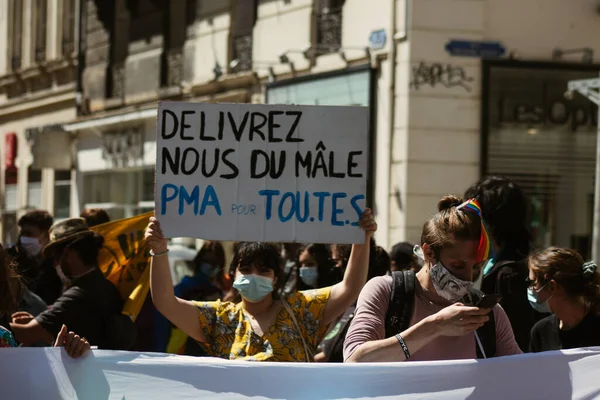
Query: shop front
x,y
545,142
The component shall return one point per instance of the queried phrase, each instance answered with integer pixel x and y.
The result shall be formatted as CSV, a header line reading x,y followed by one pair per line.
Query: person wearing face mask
x,y
560,282
42,284
263,327
91,305
209,283
316,269
440,318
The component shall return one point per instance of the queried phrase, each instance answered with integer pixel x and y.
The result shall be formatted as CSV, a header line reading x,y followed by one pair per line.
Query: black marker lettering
x,y
173,163
238,131
211,138
305,163
205,161
332,172
164,134
254,162
234,169
195,157
184,125
276,172
221,124
352,164
273,125
255,127
289,137
320,161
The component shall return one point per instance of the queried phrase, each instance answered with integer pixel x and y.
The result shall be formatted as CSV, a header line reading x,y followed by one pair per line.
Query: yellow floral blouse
x,y
230,335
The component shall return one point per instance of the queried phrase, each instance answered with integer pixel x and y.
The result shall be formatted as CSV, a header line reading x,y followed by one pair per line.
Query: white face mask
x,y
31,245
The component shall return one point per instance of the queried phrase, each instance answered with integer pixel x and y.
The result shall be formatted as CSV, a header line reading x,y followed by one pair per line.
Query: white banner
x,y
34,373
249,172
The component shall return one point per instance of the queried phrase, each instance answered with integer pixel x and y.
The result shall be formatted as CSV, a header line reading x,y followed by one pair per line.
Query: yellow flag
x,y
124,260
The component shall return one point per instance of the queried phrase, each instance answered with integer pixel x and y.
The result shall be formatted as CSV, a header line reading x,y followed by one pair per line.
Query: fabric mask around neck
x,y
447,285
253,288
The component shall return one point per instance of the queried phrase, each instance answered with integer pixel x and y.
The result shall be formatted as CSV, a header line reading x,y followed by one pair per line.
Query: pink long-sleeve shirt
x,y
369,325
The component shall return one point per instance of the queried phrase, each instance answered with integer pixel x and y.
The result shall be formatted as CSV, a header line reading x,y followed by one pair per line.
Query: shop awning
x,y
111,120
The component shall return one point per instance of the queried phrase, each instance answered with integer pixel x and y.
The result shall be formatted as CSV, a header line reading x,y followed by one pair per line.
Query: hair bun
x,y
448,202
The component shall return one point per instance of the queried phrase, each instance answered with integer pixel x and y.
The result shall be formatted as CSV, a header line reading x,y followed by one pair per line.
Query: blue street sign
x,y
377,39
469,48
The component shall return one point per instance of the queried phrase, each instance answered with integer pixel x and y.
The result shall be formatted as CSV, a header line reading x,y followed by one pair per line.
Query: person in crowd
x,y
506,213
382,263
403,257
332,347
316,269
90,306
436,320
10,292
95,216
560,282
209,283
262,327
289,255
42,286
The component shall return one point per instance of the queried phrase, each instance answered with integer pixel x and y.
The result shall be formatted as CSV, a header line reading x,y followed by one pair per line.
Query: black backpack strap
x,y
402,299
487,337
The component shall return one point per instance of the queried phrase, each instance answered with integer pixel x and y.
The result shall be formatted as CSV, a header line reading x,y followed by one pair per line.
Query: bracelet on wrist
x,y
403,345
162,253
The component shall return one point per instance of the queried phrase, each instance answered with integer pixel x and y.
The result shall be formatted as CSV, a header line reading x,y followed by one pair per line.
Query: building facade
x,y
439,120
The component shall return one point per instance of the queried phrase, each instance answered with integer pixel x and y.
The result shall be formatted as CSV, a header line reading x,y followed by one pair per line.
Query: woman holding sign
x,y
263,327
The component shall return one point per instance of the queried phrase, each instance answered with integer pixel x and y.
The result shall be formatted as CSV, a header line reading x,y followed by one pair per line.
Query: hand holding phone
x,y
489,301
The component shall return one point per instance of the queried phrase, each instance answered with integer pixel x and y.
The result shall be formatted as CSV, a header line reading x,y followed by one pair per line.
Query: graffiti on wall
x,y
438,74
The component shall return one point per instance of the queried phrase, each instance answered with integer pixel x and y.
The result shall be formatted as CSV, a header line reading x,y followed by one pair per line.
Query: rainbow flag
x,y
485,251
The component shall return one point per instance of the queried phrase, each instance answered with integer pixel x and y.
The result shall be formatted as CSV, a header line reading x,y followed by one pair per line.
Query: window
x,y
34,189
41,13
16,34
328,19
68,27
123,193
241,37
62,194
547,144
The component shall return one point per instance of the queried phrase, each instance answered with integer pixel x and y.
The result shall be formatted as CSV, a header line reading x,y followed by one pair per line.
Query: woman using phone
x,y
560,282
442,321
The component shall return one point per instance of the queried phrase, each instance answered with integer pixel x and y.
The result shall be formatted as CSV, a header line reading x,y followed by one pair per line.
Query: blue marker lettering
x,y
185,197
302,218
335,211
165,198
269,205
287,195
356,207
210,199
321,196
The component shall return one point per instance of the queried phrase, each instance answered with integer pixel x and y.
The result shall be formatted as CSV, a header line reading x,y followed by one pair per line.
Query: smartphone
x,y
489,301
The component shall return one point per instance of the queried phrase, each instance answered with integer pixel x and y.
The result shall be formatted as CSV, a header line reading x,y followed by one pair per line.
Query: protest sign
x,y
124,259
261,172
49,373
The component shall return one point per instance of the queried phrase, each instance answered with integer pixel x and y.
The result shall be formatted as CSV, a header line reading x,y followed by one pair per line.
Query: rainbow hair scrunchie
x,y
485,251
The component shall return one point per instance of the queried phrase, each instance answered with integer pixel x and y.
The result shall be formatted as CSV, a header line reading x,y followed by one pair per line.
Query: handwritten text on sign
x,y
261,172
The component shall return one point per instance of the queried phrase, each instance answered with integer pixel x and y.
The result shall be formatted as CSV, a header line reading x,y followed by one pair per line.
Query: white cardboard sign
x,y
267,173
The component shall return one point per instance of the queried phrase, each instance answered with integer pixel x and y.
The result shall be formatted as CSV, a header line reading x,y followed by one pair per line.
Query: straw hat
x,y
64,231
